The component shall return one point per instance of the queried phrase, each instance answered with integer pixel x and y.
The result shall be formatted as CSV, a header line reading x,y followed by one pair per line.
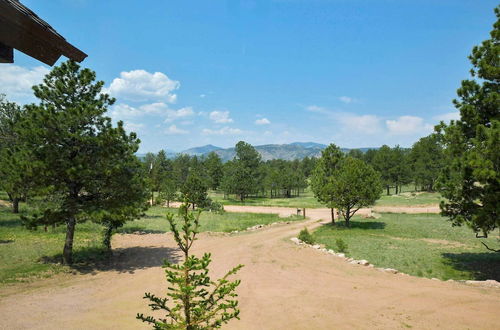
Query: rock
x,y
390,270
435,279
370,265
354,262
363,262
487,283
324,250
341,255
316,246
350,259
331,251
295,240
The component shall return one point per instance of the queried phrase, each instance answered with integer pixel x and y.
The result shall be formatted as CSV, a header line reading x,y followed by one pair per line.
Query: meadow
x,y
25,254
409,197
423,245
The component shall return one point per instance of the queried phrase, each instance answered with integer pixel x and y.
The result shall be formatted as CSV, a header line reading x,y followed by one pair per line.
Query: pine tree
x,y
471,178
194,300
87,166
322,183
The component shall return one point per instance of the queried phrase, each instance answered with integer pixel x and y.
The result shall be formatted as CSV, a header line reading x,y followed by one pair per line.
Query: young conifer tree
x,y
194,300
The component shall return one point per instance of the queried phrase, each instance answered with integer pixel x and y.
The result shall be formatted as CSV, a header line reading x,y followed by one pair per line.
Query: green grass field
x,y
307,199
420,245
23,252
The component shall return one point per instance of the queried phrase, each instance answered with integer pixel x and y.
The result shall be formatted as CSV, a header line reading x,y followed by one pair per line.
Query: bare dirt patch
x,y
284,286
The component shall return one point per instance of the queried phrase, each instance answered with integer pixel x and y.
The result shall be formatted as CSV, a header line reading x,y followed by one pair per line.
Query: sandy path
x,y
284,286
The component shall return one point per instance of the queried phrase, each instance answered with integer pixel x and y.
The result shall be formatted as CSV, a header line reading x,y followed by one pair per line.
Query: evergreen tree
x,y
83,161
194,190
213,165
322,181
16,174
426,159
471,177
242,176
354,185
194,300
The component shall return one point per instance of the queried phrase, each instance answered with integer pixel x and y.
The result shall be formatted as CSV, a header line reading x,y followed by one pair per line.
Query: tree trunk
x,y
348,217
68,244
15,205
396,188
333,216
168,202
387,187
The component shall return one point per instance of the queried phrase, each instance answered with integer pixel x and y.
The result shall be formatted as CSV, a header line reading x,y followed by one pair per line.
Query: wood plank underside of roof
x,y
6,54
21,32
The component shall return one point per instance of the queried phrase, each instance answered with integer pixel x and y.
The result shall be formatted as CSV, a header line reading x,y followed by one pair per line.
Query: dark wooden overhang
x,y
22,29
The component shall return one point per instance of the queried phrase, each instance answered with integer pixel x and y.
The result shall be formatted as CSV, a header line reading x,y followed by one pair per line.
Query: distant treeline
x,y
247,175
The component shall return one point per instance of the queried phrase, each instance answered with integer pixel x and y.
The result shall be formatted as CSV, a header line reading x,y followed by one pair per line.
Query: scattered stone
x,y
487,283
341,255
363,262
324,250
349,259
390,270
295,240
354,262
331,251
370,265
435,279
316,246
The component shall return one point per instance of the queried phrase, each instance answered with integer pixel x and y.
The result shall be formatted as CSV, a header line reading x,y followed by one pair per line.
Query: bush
x,y
341,245
305,236
212,206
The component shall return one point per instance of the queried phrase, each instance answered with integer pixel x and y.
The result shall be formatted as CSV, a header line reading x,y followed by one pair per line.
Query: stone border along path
x,y
367,212
283,286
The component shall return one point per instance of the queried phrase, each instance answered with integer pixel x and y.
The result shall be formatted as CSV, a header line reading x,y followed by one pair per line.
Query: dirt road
x,y
284,286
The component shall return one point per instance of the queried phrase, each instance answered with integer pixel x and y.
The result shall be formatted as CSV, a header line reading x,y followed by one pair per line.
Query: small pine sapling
x,y
194,300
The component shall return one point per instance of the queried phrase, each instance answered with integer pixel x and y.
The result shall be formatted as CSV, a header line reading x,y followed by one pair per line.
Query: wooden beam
x,y
29,35
6,54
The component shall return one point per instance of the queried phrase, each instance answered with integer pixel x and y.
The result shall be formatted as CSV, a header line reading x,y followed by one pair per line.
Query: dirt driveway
x,y
284,286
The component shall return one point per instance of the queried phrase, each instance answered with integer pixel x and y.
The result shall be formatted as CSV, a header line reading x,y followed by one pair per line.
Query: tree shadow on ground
x,y
135,229
124,260
482,265
10,223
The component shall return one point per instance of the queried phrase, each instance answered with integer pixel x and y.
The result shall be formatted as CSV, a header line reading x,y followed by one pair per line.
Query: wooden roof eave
x,y
24,33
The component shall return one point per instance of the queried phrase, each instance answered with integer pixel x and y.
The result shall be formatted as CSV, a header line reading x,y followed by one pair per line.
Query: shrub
x,y
194,300
305,236
341,245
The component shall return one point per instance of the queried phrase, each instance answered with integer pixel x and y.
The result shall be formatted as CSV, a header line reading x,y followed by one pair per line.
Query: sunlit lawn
x,y
23,252
421,245
307,199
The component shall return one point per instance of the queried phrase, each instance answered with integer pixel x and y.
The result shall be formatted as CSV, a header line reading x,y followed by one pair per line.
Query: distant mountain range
x,y
296,150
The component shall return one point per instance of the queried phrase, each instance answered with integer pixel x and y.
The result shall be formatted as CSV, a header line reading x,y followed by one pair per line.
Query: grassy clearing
x,y
27,254
420,245
307,199
156,222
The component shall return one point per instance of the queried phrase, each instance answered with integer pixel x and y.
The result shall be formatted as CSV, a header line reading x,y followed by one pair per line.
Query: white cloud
x,y
365,124
16,81
408,125
203,96
123,111
174,130
318,109
220,117
178,114
140,85
133,127
262,121
347,99
447,117
222,131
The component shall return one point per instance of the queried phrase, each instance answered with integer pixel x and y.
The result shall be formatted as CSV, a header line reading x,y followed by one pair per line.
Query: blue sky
x,y
358,73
